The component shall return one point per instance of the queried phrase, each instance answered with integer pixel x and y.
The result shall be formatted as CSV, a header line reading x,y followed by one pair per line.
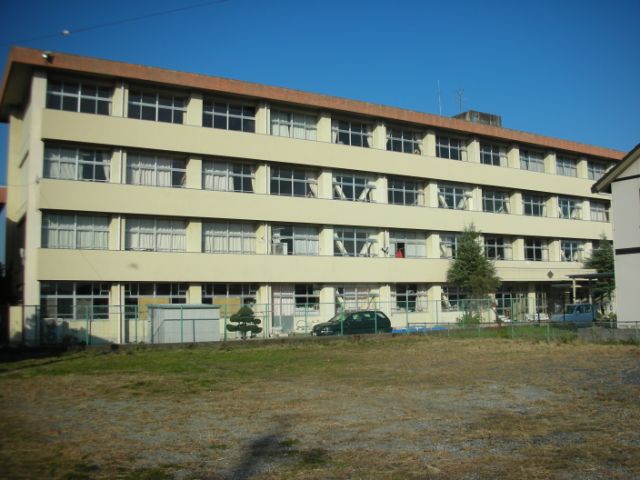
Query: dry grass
x,y
393,408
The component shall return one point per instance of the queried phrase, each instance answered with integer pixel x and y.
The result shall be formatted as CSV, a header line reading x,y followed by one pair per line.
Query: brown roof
x,y
21,62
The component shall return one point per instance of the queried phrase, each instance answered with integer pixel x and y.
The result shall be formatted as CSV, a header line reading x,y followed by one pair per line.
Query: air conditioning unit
x,y
280,249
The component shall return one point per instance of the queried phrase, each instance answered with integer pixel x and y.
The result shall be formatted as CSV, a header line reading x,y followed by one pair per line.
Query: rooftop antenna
x,y
460,95
439,100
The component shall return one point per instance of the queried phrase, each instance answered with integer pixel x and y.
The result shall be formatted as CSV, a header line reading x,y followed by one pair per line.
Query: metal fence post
x,y
181,326
548,332
225,321
306,310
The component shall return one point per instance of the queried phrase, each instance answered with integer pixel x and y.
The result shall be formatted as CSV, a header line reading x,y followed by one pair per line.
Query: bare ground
x,y
375,408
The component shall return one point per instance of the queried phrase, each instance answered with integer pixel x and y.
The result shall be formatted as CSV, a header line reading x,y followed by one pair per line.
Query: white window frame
x,y
535,203
75,231
493,154
66,162
356,296
285,123
409,191
567,167
246,293
351,132
352,187
453,298
537,249
531,161
571,250
411,244
156,170
455,197
498,200
228,237
451,148
155,234
497,247
449,243
156,106
599,211
224,176
569,208
404,140
354,242
66,300
292,178
595,170
409,298
294,240
229,115
60,96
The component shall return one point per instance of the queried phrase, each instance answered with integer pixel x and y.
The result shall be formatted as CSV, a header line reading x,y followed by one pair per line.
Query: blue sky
x,y
568,69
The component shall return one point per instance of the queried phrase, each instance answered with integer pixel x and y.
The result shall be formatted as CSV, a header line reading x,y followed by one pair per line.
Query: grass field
x,y
378,407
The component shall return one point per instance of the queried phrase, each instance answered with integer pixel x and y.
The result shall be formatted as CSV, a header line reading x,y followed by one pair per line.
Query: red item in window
x,y
399,253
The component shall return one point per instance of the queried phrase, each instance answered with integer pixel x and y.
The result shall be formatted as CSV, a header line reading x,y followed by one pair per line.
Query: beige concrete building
x,y
623,182
131,185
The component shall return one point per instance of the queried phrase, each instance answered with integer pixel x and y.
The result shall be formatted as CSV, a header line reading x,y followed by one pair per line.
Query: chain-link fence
x,y
182,323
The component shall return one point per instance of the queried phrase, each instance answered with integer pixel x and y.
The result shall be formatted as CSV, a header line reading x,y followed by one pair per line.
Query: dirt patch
x,y
393,408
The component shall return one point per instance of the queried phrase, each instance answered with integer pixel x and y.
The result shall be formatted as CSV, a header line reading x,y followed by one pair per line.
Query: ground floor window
x,y
408,297
292,304
138,296
356,297
229,294
453,299
74,300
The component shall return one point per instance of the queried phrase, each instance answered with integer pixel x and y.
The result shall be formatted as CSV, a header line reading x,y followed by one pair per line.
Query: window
x,y
222,293
293,183
156,106
570,251
156,170
356,297
155,235
404,192
69,163
408,298
353,188
566,166
599,211
307,298
451,196
225,176
294,240
403,244
137,297
293,125
533,205
595,170
493,154
497,248
228,237
569,208
78,96
400,140
505,299
452,148
74,300
535,250
75,231
346,132
453,299
532,161
354,242
449,245
229,116
495,201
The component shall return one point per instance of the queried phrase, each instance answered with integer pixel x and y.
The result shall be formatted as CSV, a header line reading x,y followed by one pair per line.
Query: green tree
x,y
245,322
602,261
471,271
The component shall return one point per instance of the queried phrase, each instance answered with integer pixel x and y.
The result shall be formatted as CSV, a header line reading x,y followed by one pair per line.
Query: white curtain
x,y
163,166
334,133
163,235
85,229
369,138
178,238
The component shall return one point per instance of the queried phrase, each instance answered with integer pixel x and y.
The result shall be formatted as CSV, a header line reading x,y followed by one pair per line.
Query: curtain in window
x,y
334,135
178,238
235,238
84,234
66,232
164,172
299,130
68,162
369,137
50,231
163,235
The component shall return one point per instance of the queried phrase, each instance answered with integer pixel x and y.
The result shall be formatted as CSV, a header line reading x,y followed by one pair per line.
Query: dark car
x,y
362,321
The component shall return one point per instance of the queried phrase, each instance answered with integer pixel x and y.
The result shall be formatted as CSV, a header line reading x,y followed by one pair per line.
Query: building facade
x,y
623,181
131,185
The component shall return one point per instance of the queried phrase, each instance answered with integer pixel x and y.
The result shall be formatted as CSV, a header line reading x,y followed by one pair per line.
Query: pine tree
x,y
602,261
471,270
245,322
